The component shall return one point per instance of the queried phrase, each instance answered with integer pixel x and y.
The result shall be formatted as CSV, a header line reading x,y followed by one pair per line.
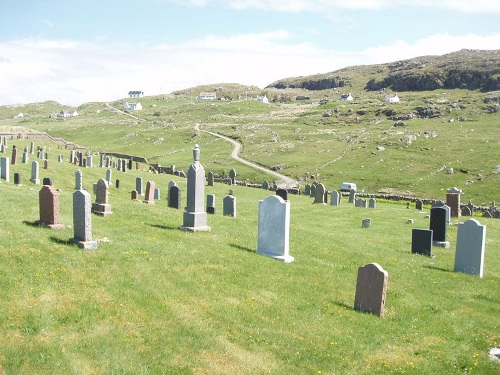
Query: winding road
x,y
234,154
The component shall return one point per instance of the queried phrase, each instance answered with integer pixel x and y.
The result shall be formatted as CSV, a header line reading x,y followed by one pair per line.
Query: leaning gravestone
x,y
174,197
49,208
211,204
82,224
195,217
274,228
371,288
229,206
469,255
439,226
421,242
335,198
101,205
149,197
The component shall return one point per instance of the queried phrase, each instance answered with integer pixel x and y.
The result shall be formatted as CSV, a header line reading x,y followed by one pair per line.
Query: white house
x,y
69,113
135,94
346,98
133,106
392,99
207,96
20,115
263,99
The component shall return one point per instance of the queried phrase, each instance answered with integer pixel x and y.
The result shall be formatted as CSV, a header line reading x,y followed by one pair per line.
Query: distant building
x,y
69,113
207,96
133,106
391,99
346,98
20,115
135,94
263,99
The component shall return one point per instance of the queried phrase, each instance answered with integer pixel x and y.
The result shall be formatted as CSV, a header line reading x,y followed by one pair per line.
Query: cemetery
x,y
132,293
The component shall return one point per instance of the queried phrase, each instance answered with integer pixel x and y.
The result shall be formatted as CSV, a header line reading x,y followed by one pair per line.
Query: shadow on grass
x,y
166,227
344,305
437,268
32,224
60,242
242,248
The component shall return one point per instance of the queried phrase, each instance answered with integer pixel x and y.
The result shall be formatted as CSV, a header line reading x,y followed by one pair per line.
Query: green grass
x,y
159,300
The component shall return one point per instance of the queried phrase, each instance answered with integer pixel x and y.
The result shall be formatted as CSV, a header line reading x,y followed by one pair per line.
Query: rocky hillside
x,y
465,69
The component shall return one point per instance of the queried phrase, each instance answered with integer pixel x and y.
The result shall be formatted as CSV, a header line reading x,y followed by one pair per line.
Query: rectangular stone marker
x,y
17,179
174,197
372,203
157,194
418,205
421,242
134,195
138,185
211,204
453,201
14,155
335,198
82,224
307,190
352,196
149,197
232,176
210,178
360,203
439,226
371,288
49,208
35,173
282,193
101,205
274,228
229,206
109,173
25,157
88,162
469,255
78,180
4,168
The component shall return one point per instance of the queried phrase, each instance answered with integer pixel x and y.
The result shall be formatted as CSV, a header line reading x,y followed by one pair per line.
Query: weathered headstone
x,y
72,157
319,194
174,197
4,168
117,184
78,180
360,203
229,206
418,205
157,194
32,148
149,197
134,195
371,289
439,226
352,196
59,158
195,217
17,179
49,208
35,173
229,181
138,185
313,190
46,164
108,175
101,205
282,193
124,165
453,201
232,176
421,242
274,228
211,204
14,155
466,211
335,198
372,203
47,181
366,223
82,223
25,157
469,255
265,185
210,178
89,162
307,190
448,214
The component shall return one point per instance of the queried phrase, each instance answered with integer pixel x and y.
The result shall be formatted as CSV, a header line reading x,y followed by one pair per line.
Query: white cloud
x,y
75,73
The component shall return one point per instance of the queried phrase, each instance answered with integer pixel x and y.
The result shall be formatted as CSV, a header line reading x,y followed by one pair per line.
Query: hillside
x,y
465,69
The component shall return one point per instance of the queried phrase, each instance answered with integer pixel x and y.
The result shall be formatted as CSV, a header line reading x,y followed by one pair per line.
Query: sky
x,y
75,52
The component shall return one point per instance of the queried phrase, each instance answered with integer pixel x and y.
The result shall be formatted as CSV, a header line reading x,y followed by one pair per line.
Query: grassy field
x,y
157,300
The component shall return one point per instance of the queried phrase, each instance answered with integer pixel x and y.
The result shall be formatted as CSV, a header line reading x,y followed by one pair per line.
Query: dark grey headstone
x,y
174,197
282,193
47,181
438,224
421,242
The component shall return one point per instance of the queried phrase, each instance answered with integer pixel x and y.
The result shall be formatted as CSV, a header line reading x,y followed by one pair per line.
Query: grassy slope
x,y
159,300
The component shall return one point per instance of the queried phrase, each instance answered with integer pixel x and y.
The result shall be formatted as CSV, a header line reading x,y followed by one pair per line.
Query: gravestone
x,y
314,185
307,190
17,179
89,162
319,194
229,181
138,185
421,242
232,176
366,223
439,226
25,157
360,203
72,156
82,224
78,180
418,205
4,168
157,194
124,166
117,184
453,201
101,161
352,196
59,158
171,183
229,206
211,204
448,214
265,185
109,173
49,208
134,195
32,148
45,164
371,289
335,198
174,197
149,197
14,155
195,217
466,211
34,173
101,205
274,228
372,203
47,181
282,193
469,254
210,178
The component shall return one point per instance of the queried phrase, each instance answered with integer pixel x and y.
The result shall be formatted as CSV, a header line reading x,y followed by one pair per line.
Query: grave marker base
x,y
101,209
85,245
444,244
281,258
50,226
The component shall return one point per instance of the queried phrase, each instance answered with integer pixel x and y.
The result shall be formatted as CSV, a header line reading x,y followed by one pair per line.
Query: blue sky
x,y
98,50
